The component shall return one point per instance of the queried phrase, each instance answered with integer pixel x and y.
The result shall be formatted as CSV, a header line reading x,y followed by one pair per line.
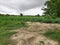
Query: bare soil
x,y
33,34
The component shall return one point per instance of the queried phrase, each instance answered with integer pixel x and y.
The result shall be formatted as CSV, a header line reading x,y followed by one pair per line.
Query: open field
x,y
10,23
45,19
6,25
53,34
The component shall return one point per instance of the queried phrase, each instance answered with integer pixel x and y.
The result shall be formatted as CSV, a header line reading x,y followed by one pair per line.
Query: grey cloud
x,y
16,6
22,4
29,4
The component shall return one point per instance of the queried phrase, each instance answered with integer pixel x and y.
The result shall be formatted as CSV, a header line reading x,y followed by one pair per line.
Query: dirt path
x,y
33,35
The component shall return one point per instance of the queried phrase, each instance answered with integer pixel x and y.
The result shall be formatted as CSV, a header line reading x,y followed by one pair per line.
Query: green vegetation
x,y
53,34
21,14
5,37
18,19
53,8
42,43
8,23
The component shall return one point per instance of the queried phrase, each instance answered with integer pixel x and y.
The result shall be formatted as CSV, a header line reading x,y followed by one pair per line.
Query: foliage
x,y
53,8
21,14
17,20
37,15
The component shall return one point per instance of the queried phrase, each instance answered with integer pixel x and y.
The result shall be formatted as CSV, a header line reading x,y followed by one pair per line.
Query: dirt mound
x,y
33,34
36,26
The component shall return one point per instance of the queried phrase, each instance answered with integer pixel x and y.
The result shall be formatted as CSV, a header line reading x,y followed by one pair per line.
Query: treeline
x,y
21,14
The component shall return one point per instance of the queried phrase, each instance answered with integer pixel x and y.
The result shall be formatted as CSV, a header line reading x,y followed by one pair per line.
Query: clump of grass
x,y
5,37
53,34
41,43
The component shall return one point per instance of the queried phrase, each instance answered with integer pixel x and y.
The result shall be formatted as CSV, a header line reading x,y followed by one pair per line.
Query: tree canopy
x,y
53,8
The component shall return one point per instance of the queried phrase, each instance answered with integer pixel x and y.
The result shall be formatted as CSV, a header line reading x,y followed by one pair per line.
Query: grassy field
x,y
53,34
45,19
8,23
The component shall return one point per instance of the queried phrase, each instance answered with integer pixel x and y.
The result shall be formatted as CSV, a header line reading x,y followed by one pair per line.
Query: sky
x,y
27,7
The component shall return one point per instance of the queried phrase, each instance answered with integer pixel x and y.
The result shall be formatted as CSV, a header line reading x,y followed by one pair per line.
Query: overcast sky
x,y
27,7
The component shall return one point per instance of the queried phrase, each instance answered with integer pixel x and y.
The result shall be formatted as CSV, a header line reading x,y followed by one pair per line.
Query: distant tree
x,y
7,14
1,14
21,14
37,15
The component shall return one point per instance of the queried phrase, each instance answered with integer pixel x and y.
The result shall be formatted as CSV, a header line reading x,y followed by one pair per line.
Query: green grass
x,y
8,23
5,37
53,34
45,19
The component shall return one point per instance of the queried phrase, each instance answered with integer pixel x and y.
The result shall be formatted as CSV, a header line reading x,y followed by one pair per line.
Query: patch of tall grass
x,y
45,19
8,23
53,34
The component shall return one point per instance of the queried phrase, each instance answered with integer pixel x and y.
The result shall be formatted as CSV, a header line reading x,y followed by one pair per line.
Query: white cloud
x,y
7,10
33,11
17,6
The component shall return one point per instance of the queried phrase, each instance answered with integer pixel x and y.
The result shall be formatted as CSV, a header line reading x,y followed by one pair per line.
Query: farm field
x,y
30,29
29,22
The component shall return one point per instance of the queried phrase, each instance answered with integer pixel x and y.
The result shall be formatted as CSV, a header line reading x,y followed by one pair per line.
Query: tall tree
x,y
53,8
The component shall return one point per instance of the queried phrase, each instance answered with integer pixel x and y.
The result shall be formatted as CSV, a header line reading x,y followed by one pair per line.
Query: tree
x,y
53,8
37,15
21,14
7,14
